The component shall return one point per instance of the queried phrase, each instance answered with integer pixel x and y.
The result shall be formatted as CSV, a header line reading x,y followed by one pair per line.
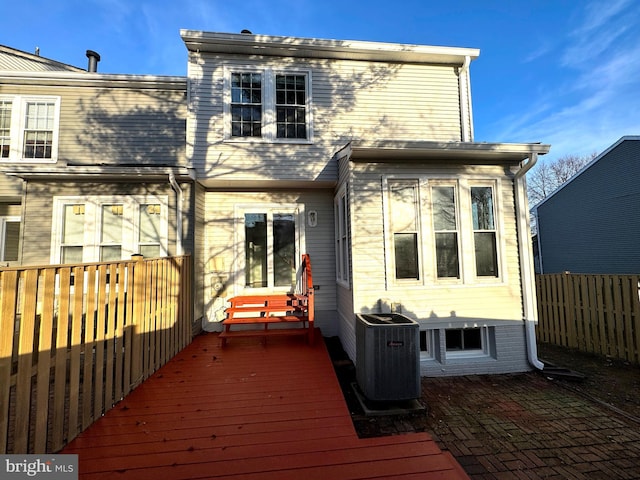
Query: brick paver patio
x,y
527,426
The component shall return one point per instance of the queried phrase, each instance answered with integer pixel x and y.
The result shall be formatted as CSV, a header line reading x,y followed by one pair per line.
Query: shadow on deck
x,y
248,411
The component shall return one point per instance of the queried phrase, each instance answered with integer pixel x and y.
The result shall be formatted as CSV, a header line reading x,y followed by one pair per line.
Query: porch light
x,y
312,218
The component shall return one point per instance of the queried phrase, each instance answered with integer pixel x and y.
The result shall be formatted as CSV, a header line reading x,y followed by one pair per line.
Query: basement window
x,y
463,342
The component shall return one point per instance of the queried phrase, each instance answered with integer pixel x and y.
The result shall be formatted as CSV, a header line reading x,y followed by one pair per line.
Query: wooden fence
x,y
76,339
592,313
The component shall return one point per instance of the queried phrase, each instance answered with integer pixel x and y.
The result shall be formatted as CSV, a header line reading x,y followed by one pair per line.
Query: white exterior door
x,y
270,243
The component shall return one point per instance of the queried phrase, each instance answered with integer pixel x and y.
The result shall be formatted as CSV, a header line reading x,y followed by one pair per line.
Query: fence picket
x,y
76,348
25,360
98,394
44,360
8,296
627,289
88,349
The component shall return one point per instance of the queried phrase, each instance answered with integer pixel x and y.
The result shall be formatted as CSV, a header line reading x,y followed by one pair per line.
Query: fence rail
x,y
76,339
592,313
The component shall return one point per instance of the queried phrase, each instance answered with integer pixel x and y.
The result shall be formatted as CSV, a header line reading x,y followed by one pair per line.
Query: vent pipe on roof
x,y
94,58
246,32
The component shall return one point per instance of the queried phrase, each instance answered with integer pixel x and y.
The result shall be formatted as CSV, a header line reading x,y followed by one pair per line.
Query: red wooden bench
x,y
296,310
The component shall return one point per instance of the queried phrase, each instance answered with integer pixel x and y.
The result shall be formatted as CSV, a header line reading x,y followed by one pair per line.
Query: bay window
x,y
441,231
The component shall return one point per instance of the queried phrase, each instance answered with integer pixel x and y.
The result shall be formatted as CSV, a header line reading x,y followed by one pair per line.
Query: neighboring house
x,y
94,164
362,155
12,134
591,223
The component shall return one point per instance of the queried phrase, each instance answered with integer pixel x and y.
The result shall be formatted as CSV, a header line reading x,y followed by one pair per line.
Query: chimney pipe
x,y
94,58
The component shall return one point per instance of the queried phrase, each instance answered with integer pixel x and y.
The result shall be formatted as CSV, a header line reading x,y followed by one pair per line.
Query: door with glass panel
x,y
270,244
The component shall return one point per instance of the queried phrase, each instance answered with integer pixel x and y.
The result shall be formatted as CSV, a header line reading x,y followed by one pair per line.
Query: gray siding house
x,y
92,166
591,224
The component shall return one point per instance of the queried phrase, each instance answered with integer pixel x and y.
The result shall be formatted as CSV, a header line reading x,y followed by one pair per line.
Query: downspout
x,y
178,190
527,272
464,98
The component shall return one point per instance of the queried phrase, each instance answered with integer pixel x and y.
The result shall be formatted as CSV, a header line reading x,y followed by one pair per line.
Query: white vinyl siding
x,y
351,100
111,124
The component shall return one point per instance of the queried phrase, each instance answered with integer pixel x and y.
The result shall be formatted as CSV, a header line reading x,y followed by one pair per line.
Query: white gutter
x,y
527,273
464,98
178,190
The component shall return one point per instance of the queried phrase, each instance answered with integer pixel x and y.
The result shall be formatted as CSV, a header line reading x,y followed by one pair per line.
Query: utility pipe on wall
x,y
178,190
463,86
527,273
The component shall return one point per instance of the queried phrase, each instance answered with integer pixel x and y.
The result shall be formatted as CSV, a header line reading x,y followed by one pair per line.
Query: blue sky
x,y
563,72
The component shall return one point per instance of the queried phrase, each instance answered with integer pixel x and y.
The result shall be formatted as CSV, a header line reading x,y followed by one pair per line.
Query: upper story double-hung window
x,y
246,105
29,128
267,105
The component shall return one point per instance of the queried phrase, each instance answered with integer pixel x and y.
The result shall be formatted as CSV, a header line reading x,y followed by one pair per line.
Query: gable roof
x,y
587,166
12,59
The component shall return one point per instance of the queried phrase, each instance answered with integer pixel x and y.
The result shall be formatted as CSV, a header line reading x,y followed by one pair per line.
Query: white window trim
x,y
3,231
269,133
482,352
342,237
298,209
466,250
92,241
429,353
498,212
18,113
389,243
460,230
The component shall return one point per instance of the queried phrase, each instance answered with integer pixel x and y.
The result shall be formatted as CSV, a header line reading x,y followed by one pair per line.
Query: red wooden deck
x,y
248,412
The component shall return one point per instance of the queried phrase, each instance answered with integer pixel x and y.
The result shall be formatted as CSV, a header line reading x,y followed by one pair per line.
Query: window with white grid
x,y
108,228
29,128
262,104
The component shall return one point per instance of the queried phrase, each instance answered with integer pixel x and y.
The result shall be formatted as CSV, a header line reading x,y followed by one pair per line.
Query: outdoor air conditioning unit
x,y
388,357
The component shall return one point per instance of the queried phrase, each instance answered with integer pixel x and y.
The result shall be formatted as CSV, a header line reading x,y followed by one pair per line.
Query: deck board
x,y
248,411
